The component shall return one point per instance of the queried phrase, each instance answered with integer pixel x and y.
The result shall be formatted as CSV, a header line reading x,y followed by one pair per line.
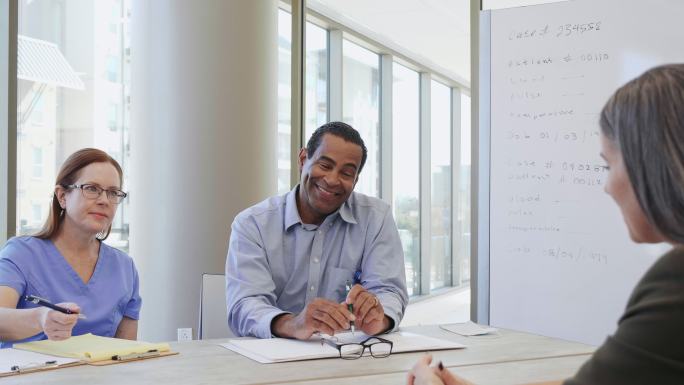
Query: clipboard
x,y
14,362
97,350
132,357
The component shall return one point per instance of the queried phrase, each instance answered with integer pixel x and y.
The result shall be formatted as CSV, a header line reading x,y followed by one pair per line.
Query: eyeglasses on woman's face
x,y
93,191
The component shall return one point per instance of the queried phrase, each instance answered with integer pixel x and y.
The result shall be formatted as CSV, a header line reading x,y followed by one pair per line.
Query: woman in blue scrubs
x,y
67,263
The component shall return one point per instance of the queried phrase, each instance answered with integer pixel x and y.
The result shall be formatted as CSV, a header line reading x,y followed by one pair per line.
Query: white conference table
x,y
507,358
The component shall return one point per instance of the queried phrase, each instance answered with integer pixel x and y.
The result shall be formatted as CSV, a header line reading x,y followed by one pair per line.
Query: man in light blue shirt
x,y
291,256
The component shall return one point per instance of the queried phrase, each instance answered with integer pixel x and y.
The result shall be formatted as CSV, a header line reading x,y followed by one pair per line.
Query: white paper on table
x,y
23,358
283,350
468,329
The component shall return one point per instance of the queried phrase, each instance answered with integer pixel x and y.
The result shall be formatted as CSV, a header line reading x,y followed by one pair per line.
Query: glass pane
x,y
406,168
380,349
284,98
351,350
440,166
72,92
316,78
361,108
463,194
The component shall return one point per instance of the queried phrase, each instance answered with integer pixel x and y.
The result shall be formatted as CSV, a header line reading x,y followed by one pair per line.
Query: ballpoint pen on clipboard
x,y
33,366
136,356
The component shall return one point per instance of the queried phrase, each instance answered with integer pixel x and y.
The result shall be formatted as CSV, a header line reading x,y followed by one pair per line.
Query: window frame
x,y
9,16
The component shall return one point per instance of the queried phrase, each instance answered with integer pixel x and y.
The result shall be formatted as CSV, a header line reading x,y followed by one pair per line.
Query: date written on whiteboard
x,y
562,30
579,136
579,254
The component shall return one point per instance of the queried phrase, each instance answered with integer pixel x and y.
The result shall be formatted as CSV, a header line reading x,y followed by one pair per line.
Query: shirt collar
x,y
292,214
346,212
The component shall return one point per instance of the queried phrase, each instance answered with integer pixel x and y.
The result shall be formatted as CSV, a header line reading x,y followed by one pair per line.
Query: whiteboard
x,y
561,261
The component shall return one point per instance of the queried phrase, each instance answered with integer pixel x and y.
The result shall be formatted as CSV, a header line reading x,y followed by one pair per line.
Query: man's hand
x,y
320,315
370,315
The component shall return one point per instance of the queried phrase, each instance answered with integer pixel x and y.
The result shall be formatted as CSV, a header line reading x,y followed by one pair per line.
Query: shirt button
x,y
320,231
316,260
312,288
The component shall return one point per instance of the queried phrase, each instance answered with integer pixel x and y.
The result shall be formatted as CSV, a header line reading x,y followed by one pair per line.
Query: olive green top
x,y
648,346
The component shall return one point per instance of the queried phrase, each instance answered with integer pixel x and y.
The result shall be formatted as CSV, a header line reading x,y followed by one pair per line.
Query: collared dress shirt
x,y
276,264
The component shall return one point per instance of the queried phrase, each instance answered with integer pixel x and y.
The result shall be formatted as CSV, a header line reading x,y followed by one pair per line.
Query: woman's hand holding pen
x,y
57,326
370,315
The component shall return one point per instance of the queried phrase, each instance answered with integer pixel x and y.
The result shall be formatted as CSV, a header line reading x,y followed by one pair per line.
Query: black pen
x,y
43,302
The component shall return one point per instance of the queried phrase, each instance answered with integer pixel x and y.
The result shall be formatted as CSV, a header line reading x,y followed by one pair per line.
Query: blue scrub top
x,y
34,266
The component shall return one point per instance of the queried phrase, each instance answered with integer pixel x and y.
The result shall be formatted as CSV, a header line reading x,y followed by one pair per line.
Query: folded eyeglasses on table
x,y
378,347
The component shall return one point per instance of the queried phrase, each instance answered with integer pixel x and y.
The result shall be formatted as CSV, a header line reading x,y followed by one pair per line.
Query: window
x,y
449,211
37,162
284,98
71,92
316,78
316,92
361,108
462,197
406,168
440,166
37,214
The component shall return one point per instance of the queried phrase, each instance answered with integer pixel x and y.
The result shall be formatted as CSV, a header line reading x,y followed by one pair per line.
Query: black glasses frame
x,y
363,344
114,196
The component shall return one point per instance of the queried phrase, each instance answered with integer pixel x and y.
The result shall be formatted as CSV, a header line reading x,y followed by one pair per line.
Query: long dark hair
x,y
645,121
68,174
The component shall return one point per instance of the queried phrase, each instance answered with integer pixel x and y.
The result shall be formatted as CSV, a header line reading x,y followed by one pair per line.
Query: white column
x,y
203,143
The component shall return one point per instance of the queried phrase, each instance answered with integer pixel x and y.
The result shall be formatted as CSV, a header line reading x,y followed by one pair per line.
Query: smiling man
x,y
291,257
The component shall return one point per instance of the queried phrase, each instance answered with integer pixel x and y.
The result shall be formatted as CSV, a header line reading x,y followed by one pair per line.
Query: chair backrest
x,y
213,319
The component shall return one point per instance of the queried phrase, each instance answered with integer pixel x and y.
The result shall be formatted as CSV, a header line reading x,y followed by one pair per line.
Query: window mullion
x,y
456,166
425,184
9,11
386,90
335,75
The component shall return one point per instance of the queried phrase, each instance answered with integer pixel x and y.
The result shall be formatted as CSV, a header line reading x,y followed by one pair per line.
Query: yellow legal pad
x,y
91,348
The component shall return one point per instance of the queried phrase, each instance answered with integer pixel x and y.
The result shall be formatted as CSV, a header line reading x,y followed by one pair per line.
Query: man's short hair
x,y
339,129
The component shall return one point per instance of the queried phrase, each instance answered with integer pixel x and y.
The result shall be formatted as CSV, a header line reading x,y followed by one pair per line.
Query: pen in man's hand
x,y
351,308
43,302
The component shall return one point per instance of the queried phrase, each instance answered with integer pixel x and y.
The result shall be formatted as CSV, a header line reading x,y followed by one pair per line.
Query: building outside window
x,y
316,78
440,168
361,108
72,80
462,197
284,98
406,168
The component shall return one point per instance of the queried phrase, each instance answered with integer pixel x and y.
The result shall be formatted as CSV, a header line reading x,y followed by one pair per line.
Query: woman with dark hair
x,y
642,142
67,262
